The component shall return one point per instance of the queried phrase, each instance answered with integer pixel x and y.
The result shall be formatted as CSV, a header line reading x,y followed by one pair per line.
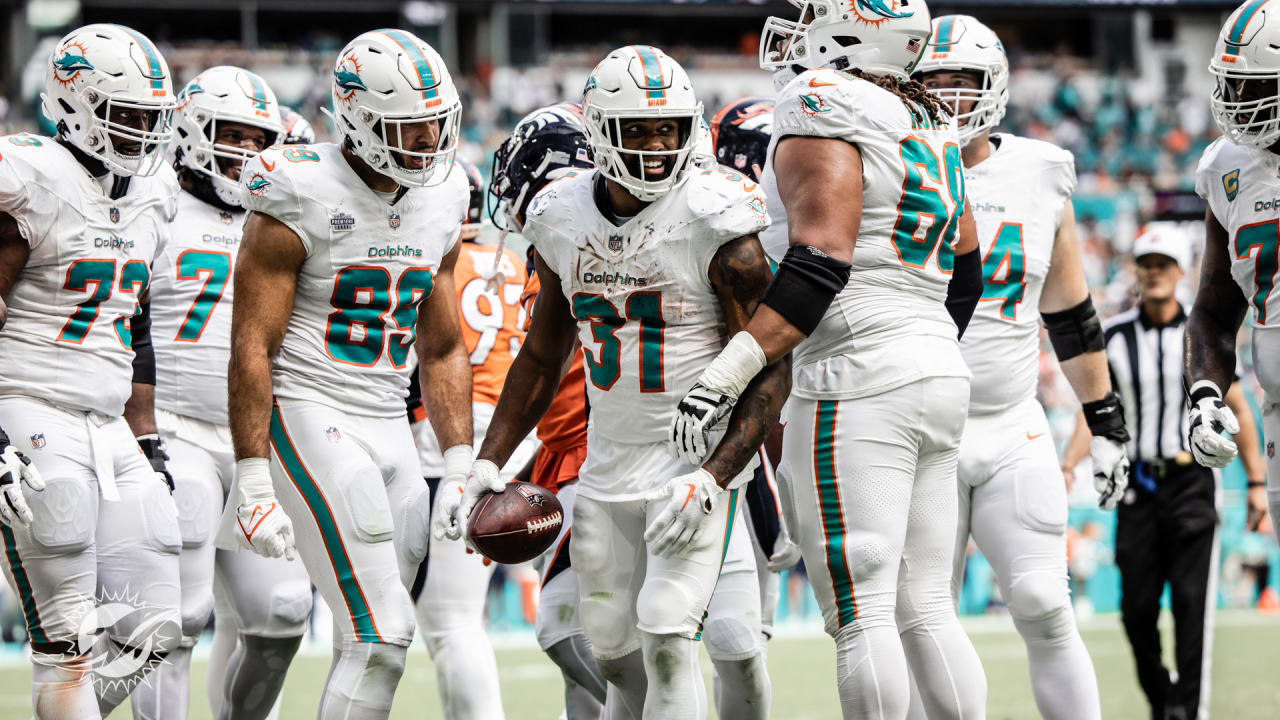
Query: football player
x,y
225,116
451,585
862,154
1237,176
1012,497
347,257
653,259
82,216
740,135
545,145
226,632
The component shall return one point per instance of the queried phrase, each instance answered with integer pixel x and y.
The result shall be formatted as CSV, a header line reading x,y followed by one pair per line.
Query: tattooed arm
x,y
1216,315
740,272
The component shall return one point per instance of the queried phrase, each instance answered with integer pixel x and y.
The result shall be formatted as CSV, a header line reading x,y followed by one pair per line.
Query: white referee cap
x,y
1163,239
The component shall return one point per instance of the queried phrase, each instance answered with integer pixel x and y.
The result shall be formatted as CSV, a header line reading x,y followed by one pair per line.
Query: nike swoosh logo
x,y
270,166
1033,437
816,83
688,497
248,532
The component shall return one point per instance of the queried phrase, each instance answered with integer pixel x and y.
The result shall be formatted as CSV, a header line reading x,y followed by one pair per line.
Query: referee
x,y
1166,525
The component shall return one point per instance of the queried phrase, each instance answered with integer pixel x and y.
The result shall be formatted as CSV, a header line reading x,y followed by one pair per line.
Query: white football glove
x,y
1109,448
699,411
689,501
262,525
1110,470
712,397
484,478
16,469
457,462
1208,418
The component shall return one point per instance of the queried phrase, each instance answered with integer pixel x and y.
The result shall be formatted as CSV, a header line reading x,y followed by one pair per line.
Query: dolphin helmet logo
x,y
346,79
69,64
875,12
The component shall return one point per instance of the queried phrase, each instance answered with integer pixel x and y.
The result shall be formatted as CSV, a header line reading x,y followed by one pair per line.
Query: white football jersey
x,y
1242,185
1017,195
67,339
369,265
889,326
191,310
648,318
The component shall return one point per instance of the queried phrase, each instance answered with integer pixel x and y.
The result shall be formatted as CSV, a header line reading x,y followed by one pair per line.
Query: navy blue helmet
x,y
545,144
475,204
740,134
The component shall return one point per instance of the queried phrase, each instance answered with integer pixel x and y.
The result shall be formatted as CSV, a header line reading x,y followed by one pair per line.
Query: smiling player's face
x,y
660,135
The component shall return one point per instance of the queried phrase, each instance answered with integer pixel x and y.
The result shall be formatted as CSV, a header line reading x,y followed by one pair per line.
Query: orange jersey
x,y
493,325
565,424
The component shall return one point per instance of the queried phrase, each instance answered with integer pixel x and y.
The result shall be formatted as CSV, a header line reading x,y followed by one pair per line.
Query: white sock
x,y
1062,676
166,691
742,688
676,690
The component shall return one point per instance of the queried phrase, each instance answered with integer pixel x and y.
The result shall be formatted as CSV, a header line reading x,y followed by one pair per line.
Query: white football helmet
x,y
383,81
961,43
219,95
639,81
704,155
100,69
879,37
1246,64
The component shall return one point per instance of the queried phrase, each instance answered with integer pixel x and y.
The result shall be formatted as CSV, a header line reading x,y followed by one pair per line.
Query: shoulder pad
x,y
728,203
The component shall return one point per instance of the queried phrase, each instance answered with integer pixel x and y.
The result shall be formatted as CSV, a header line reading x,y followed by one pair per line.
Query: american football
x,y
517,524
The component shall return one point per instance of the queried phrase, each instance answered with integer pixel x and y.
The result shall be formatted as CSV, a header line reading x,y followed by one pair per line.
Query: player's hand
x,y
689,501
153,447
1209,417
1110,470
484,478
1256,502
262,525
16,469
785,553
698,411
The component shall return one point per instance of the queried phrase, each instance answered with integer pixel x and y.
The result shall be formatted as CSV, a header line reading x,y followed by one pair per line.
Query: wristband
x,y
1204,389
1256,484
254,478
733,369
457,460
1105,418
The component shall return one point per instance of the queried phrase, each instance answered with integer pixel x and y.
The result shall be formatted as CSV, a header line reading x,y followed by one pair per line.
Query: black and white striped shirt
x,y
1146,369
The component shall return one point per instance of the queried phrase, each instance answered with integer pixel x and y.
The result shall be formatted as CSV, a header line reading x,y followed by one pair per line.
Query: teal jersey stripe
x,y
652,70
724,550
1236,36
361,615
28,598
153,57
944,33
426,75
259,92
824,462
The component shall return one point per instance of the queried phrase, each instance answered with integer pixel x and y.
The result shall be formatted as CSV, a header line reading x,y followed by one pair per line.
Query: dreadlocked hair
x,y
913,91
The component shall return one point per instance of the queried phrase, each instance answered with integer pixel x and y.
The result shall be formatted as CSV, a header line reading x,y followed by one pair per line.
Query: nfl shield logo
x,y
615,243
115,215
37,441
394,221
226,217
333,434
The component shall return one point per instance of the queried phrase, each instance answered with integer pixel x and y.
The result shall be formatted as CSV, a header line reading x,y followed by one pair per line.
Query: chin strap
x,y
493,283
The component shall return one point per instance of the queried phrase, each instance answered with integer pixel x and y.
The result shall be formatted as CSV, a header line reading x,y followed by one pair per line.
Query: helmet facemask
x,y
123,146
987,104
632,168
382,141
1246,105
215,159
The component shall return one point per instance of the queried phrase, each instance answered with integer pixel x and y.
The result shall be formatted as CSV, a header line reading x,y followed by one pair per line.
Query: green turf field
x,y
1245,685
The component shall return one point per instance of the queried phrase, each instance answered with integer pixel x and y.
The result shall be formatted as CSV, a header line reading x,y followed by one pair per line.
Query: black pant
x,y
1168,536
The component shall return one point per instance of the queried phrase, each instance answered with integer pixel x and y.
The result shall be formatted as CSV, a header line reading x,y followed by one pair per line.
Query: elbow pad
x,y
806,282
965,290
144,355
1075,331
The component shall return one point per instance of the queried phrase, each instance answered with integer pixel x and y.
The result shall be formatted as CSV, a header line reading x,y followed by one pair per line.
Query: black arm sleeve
x,y
965,289
144,355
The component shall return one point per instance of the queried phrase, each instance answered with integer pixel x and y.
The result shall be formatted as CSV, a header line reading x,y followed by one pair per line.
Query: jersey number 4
x,y
356,331
605,362
98,278
924,217
1265,237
